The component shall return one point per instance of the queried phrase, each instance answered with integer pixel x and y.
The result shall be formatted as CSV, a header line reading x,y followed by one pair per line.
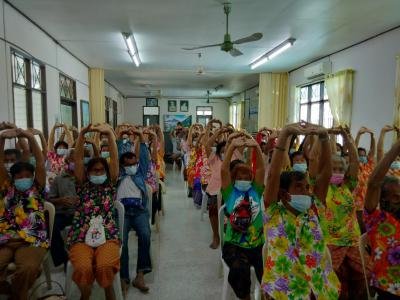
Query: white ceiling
x,y
91,29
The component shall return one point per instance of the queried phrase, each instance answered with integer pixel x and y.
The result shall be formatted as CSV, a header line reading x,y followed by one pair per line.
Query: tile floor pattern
x,y
185,267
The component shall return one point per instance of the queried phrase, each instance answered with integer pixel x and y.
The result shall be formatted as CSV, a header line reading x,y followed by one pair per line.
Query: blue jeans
x,y
137,220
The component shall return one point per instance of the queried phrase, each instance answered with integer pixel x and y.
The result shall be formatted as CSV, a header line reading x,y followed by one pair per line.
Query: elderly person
x,y
23,232
298,263
62,194
96,188
244,238
383,227
339,222
58,151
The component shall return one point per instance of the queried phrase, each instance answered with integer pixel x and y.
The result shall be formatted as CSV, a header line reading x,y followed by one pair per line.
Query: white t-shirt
x,y
128,189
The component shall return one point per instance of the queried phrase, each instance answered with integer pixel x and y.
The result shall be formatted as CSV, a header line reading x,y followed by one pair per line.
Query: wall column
x,y
96,95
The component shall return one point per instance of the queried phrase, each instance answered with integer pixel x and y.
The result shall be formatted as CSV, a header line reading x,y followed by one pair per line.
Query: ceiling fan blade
x,y
251,38
201,47
235,52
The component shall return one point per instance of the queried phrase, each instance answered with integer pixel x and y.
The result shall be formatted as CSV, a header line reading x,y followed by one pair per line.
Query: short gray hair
x,y
336,157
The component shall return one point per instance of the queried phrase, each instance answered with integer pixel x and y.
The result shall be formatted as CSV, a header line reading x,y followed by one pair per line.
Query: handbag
x,y
95,236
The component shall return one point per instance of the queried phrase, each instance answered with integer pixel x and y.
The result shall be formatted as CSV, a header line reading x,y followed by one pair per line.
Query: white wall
x,y
374,81
133,112
20,34
110,91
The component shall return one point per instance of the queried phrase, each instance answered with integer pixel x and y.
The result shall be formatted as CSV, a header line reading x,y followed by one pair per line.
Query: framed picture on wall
x,y
170,121
85,113
184,105
172,105
151,102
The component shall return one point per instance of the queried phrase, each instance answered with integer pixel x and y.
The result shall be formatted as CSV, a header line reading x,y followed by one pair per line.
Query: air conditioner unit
x,y
318,70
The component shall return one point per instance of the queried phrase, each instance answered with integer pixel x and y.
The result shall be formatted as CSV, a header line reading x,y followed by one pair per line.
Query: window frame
x,y
72,102
29,61
309,103
202,116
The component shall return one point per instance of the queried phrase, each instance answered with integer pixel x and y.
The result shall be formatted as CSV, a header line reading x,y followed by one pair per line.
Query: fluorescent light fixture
x,y
132,48
273,53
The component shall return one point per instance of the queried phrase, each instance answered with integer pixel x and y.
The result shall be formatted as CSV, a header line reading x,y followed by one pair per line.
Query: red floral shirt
x,y
56,163
384,235
359,192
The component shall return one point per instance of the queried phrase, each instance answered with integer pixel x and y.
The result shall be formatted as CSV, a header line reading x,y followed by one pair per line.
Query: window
x,y
107,107
111,112
314,105
68,101
203,114
115,114
29,92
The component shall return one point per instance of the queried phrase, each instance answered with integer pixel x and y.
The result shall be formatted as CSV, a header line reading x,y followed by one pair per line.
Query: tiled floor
x,y
185,267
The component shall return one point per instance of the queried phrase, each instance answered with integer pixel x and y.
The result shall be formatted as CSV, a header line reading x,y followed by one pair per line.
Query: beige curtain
x,y
273,98
339,87
96,95
397,94
240,112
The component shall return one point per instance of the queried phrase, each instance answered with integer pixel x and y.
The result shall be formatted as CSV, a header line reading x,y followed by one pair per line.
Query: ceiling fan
x,y
228,44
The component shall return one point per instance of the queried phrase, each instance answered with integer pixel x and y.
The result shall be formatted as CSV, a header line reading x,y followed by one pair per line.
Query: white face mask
x,y
194,143
214,149
301,203
8,166
62,151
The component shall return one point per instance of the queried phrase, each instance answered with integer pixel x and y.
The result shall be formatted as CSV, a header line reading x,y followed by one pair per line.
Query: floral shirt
x,y
22,216
95,200
160,162
384,235
205,172
152,176
297,257
254,236
359,192
56,163
339,219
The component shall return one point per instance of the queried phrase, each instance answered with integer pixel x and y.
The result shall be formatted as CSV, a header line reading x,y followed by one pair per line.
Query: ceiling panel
x,y
91,29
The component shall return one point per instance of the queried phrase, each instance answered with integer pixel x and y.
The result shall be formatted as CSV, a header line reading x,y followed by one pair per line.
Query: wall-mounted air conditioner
x,y
318,70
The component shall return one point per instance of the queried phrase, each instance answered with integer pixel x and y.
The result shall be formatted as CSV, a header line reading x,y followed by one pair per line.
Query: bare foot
x,y
214,244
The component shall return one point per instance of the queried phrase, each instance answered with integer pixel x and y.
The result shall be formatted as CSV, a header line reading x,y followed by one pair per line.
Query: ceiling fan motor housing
x,y
227,44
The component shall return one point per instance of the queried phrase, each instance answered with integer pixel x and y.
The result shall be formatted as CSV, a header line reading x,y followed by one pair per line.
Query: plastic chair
x,y
363,251
163,192
117,280
204,203
227,292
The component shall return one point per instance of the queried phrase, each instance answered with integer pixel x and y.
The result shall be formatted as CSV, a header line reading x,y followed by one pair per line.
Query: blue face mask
x,y
300,167
363,159
32,161
86,160
23,184
301,203
62,151
131,170
105,154
98,179
242,185
395,165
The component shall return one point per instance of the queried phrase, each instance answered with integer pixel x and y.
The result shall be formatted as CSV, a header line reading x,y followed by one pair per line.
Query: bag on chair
x,y
95,236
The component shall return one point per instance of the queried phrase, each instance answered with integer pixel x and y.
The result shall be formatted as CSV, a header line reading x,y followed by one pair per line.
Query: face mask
x,y
8,166
124,141
105,154
23,184
300,167
337,178
131,170
194,144
98,179
86,160
363,159
242,185
71,166
301,203
62,151
214,149
292,151
395,165
32,161
222,156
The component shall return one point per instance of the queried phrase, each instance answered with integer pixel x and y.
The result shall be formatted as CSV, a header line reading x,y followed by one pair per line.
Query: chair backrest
x,y
221,218
51,210
121,217
364,241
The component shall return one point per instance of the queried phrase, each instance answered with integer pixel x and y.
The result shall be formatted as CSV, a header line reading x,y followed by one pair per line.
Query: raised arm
x,y
5,134
50,143
353,155
40,170
375,180
260,168
225,171
273,181
381,142
79,155
112,145
325,164
372,147
42,140
23,146
68,136
160,138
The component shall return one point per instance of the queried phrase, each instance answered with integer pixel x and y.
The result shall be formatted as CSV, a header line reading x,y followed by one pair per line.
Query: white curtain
x,y
339,87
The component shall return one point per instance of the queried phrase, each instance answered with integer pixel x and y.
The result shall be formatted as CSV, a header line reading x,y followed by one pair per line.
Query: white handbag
x,y
95,236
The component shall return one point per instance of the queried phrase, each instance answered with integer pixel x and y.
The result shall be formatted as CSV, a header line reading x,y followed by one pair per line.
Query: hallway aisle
x,y
185,267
